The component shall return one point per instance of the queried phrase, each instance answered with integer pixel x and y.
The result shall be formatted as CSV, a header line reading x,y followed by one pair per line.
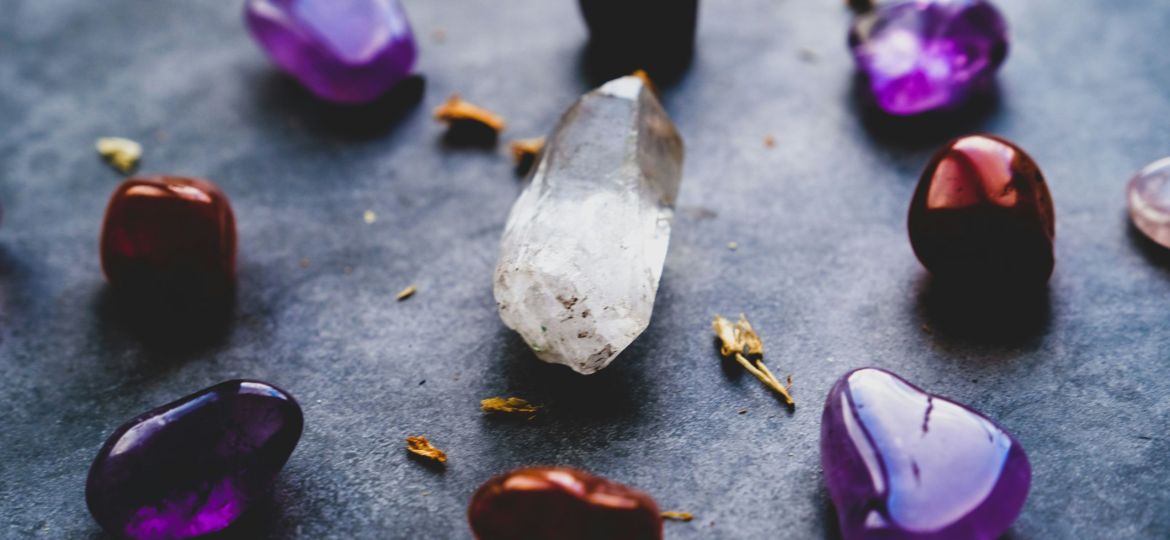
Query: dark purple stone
x,y
923,55
345,51
192,467
903,464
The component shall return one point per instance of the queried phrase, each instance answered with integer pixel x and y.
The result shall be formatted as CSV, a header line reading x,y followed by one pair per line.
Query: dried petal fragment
x,y
420,446
738,337
526,149
455,110
678,516
122,154
508,405
406,293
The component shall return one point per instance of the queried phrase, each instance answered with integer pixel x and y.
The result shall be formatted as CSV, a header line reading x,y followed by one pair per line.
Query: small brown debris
x,y
508,405
743,411
769,141
439,35
305,262
678,516
741,341
455,111
122,154
406,293
524,151
420,446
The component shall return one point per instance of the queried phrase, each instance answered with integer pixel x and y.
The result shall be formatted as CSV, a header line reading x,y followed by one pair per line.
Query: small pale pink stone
x,y
1149,201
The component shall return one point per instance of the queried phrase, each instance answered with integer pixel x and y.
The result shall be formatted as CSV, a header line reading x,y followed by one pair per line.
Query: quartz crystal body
x,y
557,503
345,51
922,55
583,248
192,467
903,464
169,237
653,35
982,216
1149,201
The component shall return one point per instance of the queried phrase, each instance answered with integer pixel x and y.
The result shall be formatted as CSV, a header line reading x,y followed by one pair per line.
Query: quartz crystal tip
x,y
584,245
1149,201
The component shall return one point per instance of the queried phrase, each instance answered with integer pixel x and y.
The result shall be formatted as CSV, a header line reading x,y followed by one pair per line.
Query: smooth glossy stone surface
x,y
982,215
653,35
902,464
345,51
922,55
583,249
167,236
194,466
559,503
1149,201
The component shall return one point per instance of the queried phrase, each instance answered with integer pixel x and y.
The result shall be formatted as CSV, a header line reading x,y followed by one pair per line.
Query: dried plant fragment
x,y
369,217
420,446
738,337
646,79
526,150
122,154
456,111
508,405
770,141
406,293
678,516
740,341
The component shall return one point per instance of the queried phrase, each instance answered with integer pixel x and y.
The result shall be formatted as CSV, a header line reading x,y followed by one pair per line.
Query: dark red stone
x,y
547,503
170,236
982,216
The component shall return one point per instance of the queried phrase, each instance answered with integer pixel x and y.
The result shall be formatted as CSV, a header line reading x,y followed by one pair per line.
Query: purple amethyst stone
x,y
192,467
903,464
345,51
924,55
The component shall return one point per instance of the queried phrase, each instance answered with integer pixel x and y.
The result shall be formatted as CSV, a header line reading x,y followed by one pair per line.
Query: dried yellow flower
x,y
678,516
738,337
420,446
122,154
406,293
508,405
455,109
526,149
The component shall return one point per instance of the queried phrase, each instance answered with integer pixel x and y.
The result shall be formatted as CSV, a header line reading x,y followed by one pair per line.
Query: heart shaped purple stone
x,y
345,51
192,467
903,464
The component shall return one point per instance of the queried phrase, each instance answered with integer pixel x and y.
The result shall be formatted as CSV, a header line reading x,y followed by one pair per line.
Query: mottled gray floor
x,y
823,266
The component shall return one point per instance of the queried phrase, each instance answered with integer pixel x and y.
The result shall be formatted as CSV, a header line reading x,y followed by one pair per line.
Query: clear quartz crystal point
x,y
583,248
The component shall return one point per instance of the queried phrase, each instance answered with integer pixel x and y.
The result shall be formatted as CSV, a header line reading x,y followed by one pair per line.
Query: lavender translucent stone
x,y
192,467
922,55
346,51
903,464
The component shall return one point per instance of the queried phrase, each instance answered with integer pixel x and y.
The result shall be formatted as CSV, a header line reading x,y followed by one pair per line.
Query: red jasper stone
x,y
170,236
982,216
547,503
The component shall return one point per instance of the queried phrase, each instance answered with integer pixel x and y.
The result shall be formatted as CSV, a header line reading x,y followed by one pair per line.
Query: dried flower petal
x,y
526,149
455,109
508,405
122,154
406,293
678,516
420,446
738,337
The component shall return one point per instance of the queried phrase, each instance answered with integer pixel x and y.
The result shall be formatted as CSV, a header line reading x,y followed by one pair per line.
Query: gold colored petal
x,y
508,405
678,516
422,447
122,154
406,293
455,109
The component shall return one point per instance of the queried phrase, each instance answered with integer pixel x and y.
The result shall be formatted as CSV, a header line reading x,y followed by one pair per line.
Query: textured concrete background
x,y
823,268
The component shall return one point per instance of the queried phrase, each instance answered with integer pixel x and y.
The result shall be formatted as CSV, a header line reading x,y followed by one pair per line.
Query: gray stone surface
x,y
823,268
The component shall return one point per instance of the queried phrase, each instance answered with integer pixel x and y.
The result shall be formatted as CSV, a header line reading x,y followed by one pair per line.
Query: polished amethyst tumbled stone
x,y
903,464
923,55
192,467
345,51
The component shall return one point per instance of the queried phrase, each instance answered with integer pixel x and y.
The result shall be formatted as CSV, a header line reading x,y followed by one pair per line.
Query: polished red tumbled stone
x,y
547,503
169,236
982,215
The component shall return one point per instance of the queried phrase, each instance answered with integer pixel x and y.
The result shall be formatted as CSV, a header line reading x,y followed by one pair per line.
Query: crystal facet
x,y
584,246
982,215
922,55
903,464
558,503
167,236
192,467
346,51
1149,201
